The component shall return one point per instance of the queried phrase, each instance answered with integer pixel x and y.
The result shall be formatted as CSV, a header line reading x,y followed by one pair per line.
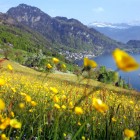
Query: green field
x,y
62,106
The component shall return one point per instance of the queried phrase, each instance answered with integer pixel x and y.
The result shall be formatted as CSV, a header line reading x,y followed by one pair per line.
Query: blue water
x,y
133,78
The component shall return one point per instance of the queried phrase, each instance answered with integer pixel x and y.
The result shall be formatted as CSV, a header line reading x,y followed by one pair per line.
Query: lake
x,y
107,60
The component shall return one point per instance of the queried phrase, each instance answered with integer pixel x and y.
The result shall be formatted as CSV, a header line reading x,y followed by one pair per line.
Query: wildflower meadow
x,y
45,106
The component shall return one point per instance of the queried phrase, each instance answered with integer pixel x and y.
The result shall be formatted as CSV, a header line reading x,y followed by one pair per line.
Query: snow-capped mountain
x,y
111,25
119,31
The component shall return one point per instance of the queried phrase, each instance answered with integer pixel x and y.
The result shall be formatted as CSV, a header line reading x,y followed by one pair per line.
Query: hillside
x,y
61,77
135,45
58,106
67,35
21,44
16,33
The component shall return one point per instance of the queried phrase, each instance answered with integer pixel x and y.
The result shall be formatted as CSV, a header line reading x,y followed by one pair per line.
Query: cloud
x,y
98,9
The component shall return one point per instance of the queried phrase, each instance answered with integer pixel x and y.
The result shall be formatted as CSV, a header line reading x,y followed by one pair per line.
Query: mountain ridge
x,y
69,34
122,32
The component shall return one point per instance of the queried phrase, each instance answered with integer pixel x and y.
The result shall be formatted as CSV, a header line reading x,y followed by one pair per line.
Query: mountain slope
x,y
23,45
65,34
120,32
20,36
135,45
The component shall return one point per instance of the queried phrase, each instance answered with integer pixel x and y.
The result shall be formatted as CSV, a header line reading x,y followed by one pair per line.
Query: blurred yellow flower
x,y
2,82
78,110
53,89
15,123
64,134
12,114
55,99
71,104
124,117
83,138
23,94
64,97
55,60
2,104
89,63
9,67
49,66
21,105
31,110
57,106
3,137
5,123
124,61
131,102
13,89
63,66
129,133
79,123
113,119
28,98
99,105
63,107
33,103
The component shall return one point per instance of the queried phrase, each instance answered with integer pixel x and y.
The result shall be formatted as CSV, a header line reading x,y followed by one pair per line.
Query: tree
x,y
6,50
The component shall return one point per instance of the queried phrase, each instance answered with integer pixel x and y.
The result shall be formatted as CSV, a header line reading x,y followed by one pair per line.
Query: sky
x,y
86,11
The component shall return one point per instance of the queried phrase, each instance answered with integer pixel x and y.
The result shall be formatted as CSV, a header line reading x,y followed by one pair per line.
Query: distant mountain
x,y
121,32
66,35
109,25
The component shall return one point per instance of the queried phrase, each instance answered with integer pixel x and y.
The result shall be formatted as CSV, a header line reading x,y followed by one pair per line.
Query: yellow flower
x,y
63,107
129,133
2,104
83,138
131,102
13,89
57,106
21,105
113,119
9,67
124,61
89,63
33,103
3,137
15,123
99,105
31,110
55,99
28,98
64,97
23,94
71,104
49,66
54,90
63,66
79,123
55,60
78,110
2,82
12,114
64,134
5,123
124,117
